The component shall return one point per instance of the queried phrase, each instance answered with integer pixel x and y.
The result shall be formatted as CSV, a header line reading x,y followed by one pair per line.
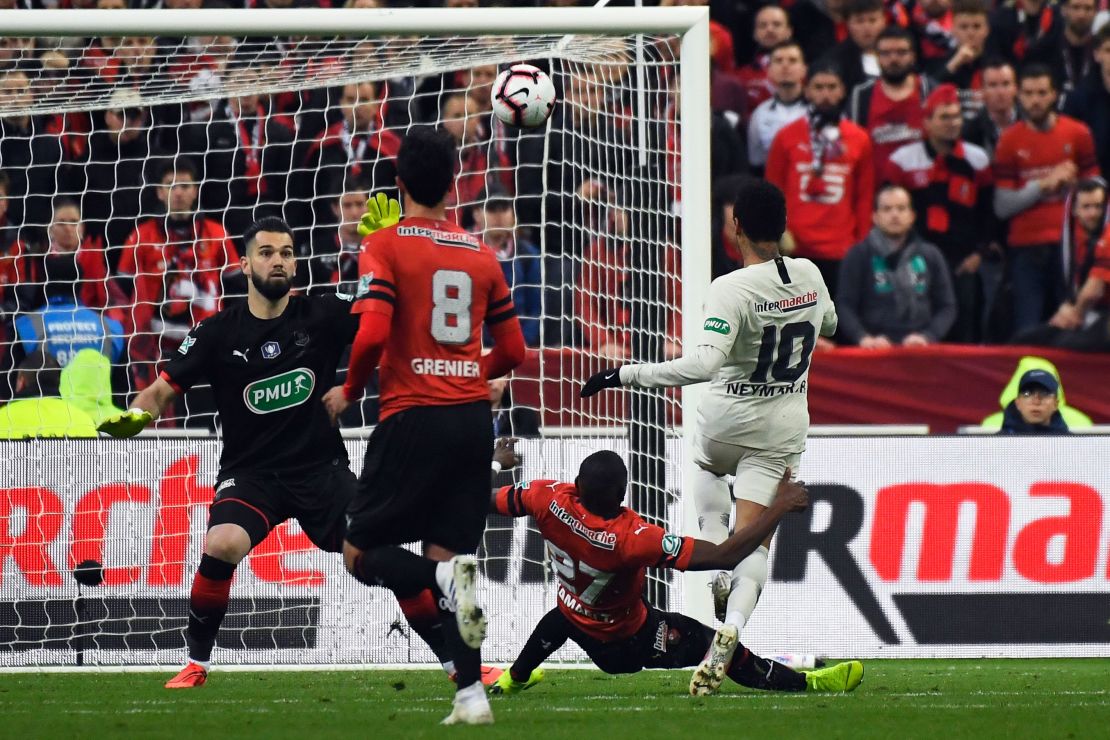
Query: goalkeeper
x,y
269,361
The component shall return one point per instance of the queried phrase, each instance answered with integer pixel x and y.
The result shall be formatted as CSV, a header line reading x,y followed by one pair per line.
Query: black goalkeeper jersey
x,y
268,377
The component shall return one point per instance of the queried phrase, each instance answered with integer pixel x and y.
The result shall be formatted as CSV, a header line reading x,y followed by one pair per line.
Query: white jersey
x,y
766,319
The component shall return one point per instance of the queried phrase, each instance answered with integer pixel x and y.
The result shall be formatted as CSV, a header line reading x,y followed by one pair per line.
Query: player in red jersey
x,y
425,289
600,550
822,164
1036,163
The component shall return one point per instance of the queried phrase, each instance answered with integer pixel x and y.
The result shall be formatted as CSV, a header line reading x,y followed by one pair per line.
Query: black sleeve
x,y
341,321
189,363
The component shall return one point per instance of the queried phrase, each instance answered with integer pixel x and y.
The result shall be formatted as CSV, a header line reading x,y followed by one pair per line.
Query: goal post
x,y
626,162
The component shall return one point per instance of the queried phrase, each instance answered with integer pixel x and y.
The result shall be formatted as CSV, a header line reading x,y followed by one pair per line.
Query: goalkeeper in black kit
x,y
269,361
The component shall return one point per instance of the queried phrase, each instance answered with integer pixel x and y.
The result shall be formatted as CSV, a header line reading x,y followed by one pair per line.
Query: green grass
x,y
1012,699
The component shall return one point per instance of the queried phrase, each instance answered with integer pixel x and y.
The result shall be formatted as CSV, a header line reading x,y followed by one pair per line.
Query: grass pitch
x,y
1011,699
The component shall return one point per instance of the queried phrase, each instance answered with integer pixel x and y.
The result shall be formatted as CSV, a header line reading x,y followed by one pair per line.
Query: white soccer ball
x,y
523,96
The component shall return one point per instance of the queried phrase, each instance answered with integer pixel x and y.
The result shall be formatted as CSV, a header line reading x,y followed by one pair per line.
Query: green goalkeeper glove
x,y
381,213
125,424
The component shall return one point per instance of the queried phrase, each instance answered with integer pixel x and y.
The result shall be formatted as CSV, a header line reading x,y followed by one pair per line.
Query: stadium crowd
x,y
942,162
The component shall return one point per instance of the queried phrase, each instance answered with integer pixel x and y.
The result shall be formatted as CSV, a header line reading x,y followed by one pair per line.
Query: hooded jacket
x,y
884,290
1013,423
1072,417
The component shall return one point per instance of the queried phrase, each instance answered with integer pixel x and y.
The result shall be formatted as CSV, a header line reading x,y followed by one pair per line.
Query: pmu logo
x,y
1014,545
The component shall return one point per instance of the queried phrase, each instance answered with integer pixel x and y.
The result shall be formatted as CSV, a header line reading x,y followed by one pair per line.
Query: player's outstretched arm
x,y
791,496
505,457
700,365
147,407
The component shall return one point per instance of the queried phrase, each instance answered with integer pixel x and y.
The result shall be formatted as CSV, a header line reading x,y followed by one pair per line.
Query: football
x,y
523,96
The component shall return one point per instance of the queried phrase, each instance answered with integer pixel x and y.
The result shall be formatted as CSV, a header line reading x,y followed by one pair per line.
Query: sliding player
x,y
600,550
762,323
426,287
269,361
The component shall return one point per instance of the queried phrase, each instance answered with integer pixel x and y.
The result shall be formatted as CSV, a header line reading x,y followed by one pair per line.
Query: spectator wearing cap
x,y
950,183
889,107
894,287
1037,161
999,109
1090,101
822,164
771,29
964,65
495,223
786,71
1036,408
855,56
1082,322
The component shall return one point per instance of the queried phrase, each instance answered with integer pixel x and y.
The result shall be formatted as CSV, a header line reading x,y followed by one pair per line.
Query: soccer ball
x,y
523,96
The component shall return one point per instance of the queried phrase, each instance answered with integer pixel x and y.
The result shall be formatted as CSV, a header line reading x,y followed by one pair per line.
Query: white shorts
x,y
757,472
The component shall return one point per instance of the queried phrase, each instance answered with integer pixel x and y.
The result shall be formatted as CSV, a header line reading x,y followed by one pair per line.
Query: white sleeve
x,y
718,334
829,320
700,365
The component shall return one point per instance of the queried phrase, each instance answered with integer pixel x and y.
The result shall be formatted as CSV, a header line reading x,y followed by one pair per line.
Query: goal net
x,y
133,156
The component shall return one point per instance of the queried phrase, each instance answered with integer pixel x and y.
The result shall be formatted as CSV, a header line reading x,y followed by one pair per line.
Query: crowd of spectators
x,y
942,161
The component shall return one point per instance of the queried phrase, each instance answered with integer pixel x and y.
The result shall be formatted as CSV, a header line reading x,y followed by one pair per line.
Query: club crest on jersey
x,y
718,325
270,350
280,392
364,284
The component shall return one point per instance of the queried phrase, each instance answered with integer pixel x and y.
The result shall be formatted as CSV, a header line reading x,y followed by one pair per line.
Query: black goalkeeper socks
x,y
748,669
208,601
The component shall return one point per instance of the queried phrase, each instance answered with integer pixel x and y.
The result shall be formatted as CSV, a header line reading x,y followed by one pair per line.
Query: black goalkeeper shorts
x,y
426,478
317,498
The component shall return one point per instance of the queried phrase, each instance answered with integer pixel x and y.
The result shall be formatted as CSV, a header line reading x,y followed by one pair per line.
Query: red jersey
x,y
177,277
436,284
599,563
1025,154
1100,262
828,215
893,123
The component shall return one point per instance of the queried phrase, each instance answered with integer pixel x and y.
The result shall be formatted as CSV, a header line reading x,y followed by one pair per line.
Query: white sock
x,y
445,575
713,505
475,692
205,664
747,584
448,667
736,618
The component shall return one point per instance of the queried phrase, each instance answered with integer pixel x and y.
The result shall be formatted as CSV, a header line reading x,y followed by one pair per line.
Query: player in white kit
x,y
761,325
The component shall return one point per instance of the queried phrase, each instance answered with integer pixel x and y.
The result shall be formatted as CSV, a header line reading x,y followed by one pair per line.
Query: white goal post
x,y
417,44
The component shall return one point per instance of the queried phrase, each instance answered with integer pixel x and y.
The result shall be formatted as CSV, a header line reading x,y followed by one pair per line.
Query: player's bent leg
x,y
550,634
225,546
754,672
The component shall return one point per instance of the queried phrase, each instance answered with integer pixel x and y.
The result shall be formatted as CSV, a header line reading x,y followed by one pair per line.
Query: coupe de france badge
x,y
270,350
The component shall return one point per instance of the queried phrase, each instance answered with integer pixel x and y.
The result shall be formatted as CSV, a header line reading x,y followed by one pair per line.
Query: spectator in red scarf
x,y
822,163
1019,28
931,21
478,166
176,265
1069,52
244,152
889,108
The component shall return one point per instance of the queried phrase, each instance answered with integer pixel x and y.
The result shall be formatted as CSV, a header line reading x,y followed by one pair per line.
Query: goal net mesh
x,y
131,167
